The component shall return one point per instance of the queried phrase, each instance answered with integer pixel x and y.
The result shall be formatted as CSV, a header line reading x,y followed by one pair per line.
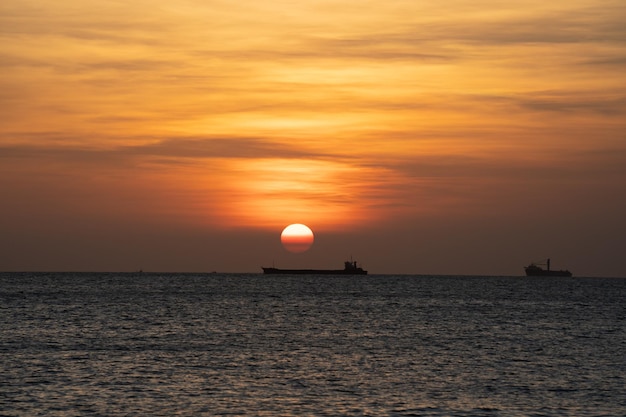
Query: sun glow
x,y
266,192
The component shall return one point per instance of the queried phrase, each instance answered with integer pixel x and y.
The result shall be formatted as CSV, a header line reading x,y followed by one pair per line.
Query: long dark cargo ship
x,y
350,268
534,270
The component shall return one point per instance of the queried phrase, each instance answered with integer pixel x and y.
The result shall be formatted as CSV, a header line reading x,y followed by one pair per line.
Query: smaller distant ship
x,y
534,270
350,268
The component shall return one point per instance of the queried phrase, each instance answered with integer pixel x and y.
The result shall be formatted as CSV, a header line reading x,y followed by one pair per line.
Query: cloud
x,y
168,150
222,148
574,103
606,103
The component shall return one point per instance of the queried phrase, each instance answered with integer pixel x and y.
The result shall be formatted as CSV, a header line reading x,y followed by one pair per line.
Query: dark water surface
x,y
85,344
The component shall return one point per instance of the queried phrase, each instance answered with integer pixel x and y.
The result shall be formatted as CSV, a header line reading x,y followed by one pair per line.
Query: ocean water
x,y
97,344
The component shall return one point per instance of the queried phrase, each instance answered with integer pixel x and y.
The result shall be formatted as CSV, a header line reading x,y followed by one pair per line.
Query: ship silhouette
x,y
350,268
534,270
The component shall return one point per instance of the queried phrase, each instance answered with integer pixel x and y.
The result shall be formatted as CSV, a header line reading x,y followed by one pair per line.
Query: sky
x,y
417,137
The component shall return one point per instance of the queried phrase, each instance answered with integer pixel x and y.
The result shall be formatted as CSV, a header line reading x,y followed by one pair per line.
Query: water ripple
x,y
167,344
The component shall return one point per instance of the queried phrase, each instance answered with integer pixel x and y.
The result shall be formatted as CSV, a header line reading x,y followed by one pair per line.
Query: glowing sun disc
x,y
297,238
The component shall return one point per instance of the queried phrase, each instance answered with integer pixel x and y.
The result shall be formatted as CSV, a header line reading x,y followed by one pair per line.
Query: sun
x,y
297,238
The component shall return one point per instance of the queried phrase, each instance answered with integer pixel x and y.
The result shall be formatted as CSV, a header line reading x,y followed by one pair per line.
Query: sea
x,y
171,344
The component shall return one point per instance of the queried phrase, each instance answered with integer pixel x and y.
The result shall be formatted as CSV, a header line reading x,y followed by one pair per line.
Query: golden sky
x,y
460,121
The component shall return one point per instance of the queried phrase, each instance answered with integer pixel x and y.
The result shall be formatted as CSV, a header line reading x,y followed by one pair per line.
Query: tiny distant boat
x,y
350,268
534,270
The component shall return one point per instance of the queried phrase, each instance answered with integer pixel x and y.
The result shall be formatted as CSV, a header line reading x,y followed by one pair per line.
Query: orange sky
x,y
458,137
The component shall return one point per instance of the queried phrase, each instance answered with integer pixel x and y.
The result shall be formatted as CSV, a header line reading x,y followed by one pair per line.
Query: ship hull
x,y
540,272
357,271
